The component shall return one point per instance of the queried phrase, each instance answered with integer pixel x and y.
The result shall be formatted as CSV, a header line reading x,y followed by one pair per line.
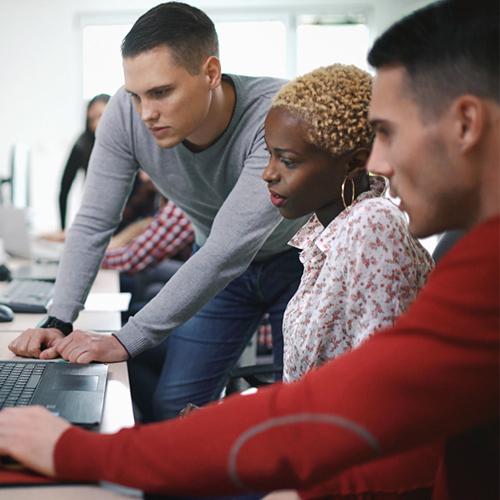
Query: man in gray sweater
x,y
199,135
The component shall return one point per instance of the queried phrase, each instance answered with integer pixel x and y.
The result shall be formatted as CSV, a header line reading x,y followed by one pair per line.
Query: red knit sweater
x,y
434,375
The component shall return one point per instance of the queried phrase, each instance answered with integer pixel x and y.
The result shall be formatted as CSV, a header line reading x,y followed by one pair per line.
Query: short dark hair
x,y
187,31
448,48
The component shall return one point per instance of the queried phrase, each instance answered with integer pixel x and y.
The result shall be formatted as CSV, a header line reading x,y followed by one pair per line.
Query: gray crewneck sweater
x,y
220,190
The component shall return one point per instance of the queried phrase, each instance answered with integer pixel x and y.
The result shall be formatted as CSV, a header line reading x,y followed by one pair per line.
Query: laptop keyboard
x,y
28,296
18,382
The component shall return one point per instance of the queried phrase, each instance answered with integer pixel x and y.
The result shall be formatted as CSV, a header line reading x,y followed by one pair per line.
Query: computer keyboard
x,y
18,382
27,296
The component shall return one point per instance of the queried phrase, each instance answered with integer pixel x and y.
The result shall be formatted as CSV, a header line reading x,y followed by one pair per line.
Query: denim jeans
x,y
192,364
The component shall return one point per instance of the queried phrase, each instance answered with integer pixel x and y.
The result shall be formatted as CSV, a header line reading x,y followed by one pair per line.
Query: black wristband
x,y
53,322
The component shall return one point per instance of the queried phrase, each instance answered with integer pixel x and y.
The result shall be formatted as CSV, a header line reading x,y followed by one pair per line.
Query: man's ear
x,y
469,114
358,161
211,67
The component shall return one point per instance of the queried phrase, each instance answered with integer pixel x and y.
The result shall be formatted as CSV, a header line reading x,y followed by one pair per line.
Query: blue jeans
x,y
192,364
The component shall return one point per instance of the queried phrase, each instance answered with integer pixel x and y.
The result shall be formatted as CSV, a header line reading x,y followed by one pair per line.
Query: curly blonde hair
x,y
332,102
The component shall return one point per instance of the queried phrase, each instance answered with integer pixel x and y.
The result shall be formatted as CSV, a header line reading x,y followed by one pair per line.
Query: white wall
x,y
40,69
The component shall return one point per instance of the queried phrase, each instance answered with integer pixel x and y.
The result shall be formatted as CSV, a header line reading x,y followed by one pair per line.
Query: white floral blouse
x,y
360,273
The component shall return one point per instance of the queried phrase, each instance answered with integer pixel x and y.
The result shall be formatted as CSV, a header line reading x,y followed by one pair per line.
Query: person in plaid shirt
x,y
168,235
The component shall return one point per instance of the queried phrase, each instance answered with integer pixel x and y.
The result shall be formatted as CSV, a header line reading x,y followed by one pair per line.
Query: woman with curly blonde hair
x,y
362,268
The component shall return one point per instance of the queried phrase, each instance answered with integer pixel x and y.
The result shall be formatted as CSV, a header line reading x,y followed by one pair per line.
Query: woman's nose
x,y
270,174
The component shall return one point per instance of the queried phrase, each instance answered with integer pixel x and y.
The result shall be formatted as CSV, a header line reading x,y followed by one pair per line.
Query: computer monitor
x,y
20,176
19,180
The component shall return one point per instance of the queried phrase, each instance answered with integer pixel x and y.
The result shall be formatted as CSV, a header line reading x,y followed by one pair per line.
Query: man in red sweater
x,y
433,376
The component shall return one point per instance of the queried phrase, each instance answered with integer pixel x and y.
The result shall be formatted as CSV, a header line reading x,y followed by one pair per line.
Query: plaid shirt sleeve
x,y
169,233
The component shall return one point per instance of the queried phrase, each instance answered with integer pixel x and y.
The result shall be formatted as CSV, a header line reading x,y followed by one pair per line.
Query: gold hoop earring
x,y
343,188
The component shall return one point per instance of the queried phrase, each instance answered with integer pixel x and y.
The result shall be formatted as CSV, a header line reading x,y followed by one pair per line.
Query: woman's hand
x,y
189,408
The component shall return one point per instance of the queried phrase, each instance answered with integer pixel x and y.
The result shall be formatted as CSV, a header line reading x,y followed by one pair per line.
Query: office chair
x,y
254,374
446,241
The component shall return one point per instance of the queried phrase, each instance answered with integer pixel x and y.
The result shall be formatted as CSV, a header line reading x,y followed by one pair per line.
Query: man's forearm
x,y
297,435
397,391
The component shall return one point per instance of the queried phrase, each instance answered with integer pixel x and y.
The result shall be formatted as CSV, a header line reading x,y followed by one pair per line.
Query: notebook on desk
x,y
71,390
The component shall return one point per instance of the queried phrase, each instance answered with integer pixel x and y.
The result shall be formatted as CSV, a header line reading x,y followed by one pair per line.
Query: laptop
x,y
70,390
17,240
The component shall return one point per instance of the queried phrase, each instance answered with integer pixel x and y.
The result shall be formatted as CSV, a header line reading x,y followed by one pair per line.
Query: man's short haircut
x,y
187,31
332,103
448,48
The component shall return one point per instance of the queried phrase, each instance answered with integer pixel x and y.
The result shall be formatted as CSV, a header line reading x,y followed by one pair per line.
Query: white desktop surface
x,y
117,412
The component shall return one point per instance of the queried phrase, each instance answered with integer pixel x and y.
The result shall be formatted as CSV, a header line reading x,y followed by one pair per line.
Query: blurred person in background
x,y
80,153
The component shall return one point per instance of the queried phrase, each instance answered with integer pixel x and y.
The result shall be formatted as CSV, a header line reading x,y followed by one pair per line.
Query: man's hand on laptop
x,y
37,343
78,347
29,435
83,347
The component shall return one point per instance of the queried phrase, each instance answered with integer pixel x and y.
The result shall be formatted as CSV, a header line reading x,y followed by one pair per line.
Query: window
x,y
323,40
278,44
255,48
102,62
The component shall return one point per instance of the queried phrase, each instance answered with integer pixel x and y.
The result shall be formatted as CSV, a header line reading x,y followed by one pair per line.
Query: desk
x,y
117,411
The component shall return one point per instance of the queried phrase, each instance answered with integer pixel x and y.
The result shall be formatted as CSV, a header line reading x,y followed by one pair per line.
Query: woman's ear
x,y
358,161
